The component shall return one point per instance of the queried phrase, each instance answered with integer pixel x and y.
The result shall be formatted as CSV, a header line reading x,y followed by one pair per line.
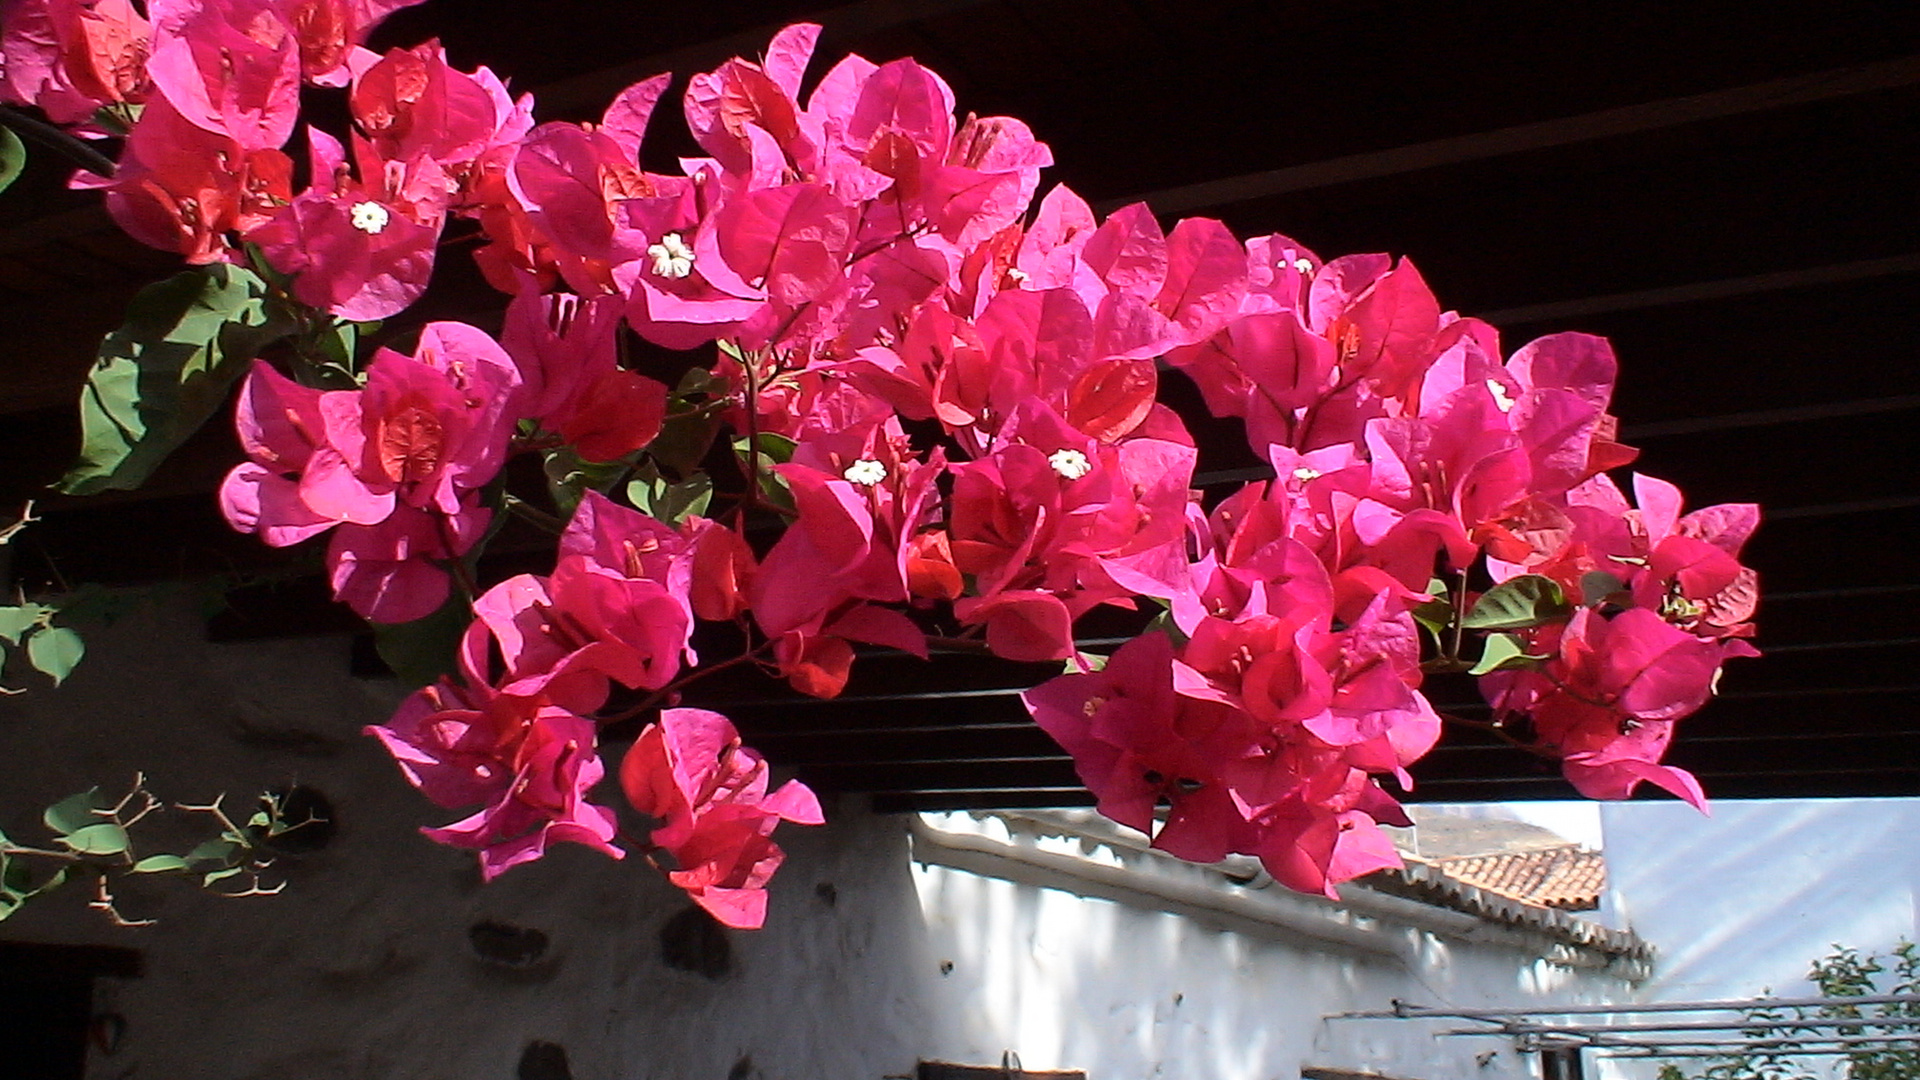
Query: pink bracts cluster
x,y
947,399
392,469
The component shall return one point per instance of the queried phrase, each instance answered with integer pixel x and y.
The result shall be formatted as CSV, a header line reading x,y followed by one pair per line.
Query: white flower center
x,y
1070,463
1304,474
369,217
866,472
1500,396
672,258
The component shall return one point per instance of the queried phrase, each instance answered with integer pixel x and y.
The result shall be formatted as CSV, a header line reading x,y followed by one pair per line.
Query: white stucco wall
x,y
363,967
1123,991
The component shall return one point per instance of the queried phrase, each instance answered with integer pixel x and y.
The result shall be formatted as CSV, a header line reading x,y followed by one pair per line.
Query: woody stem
x,y
58,141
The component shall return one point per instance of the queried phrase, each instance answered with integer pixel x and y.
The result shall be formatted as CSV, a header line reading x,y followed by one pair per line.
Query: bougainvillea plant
x,y
916,409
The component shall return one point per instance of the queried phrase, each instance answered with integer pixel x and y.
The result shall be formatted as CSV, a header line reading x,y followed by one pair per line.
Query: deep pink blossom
x,y
361,250
412,104
1607,700
530,763
716,815
395,466
185,189
329,31
229,66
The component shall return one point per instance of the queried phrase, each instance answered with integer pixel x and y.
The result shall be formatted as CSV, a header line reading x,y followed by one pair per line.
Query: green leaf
x,y
653,495
1597,585
55,650
774,450
16,878
1085,662
1436,615
105,838
1502,652
220,875
74,812
569,476
425,649
340,344
159,864
1519,603
219,851
683,440
16,621
55,880
165,371
13,157
1162,623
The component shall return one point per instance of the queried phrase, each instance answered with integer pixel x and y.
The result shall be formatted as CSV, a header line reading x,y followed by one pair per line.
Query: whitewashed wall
x,y
1126,992
363,968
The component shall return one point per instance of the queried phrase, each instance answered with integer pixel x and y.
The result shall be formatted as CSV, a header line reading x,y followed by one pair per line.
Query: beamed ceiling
x,y
1725,189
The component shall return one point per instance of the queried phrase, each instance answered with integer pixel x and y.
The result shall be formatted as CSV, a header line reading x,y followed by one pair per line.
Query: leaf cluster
x,y
1842,974
28,629
95,836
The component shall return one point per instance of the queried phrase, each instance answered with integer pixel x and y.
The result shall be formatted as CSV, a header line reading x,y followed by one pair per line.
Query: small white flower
x,y
1305,266
1070,463
1017,275
369,217
1304,474
866,472
672,258
1500,396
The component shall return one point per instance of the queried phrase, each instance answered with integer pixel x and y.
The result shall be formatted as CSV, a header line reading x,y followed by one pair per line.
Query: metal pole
x,y
1406,1010
1521,1027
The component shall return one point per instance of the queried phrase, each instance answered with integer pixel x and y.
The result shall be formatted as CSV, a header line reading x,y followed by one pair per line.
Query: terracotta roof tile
x,y
1567,877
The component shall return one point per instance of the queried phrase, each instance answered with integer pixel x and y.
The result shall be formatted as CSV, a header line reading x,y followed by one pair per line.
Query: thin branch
x,y
665,693
532,514
959,645
219,813
26,519
63,856
58,141
1501,733
103,902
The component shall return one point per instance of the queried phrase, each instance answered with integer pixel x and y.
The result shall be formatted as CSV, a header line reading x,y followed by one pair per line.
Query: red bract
x,y
1607,701
564,637
412,104
185,189
362,251
329,31
229,66
716,815
71,57
532,765
570,380
394,465
1150,730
